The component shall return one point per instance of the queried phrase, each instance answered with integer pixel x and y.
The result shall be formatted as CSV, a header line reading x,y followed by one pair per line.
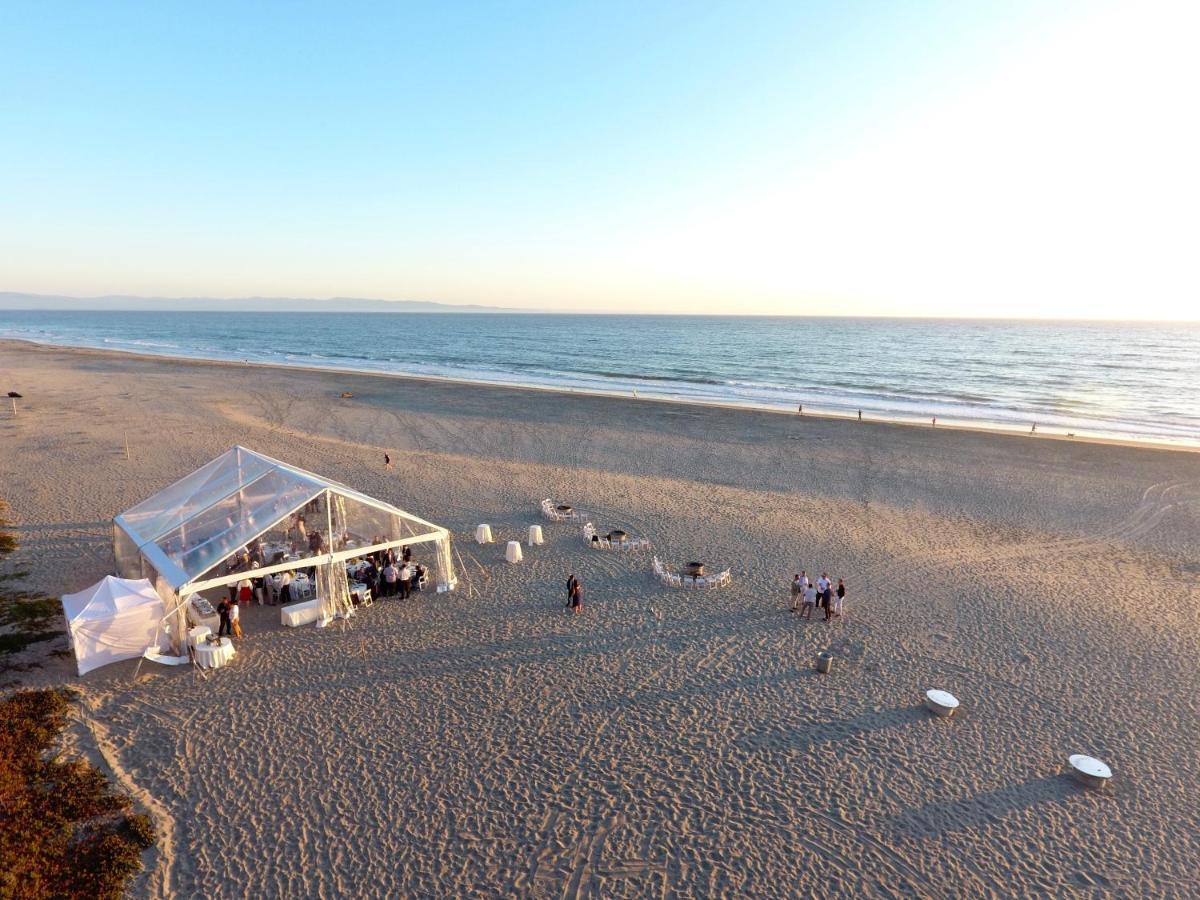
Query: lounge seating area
x,y
614,540
682,579
561,512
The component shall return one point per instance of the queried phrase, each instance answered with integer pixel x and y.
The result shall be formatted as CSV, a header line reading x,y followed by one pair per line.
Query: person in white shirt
x,y
235,620
285,588
405,578
810,602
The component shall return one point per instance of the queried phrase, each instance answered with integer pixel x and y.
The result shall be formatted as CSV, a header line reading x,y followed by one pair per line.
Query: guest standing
x,y
577,597
390,576
797,592
405,578
810,602
571,582
285,588
235,620
841,595
223,611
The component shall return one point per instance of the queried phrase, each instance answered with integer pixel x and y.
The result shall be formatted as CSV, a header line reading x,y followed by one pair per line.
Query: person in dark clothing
x,y
571,582
226,627
406,553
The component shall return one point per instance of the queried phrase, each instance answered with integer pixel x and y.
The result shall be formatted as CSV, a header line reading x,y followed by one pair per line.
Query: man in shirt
x,y
390,576
405,576
810,602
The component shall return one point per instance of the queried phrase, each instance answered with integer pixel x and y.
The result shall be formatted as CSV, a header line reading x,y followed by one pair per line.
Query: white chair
x,y
676,581
483,534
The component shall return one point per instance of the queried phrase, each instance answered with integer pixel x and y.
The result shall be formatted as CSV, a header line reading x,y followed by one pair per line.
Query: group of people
x,y
387,575
231,618
808,595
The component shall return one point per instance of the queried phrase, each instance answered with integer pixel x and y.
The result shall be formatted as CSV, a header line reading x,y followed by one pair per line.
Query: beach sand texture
x,y
664,743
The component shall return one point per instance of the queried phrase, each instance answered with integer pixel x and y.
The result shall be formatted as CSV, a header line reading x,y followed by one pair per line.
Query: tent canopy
x,y
191,526
114,619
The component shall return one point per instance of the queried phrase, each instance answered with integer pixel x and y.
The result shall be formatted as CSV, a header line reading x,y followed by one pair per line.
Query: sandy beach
x,y
664,743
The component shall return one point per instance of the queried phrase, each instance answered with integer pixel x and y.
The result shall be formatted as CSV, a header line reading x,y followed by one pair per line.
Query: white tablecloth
x,y
198,634
295,614
213,656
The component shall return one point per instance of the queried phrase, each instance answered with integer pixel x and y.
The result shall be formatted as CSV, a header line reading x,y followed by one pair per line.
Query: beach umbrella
x,y
13,397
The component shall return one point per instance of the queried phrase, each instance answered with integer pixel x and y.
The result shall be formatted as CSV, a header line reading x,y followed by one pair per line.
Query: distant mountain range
x,y
13,300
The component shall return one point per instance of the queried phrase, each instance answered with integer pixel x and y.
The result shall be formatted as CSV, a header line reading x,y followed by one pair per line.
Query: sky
x,y
1024,159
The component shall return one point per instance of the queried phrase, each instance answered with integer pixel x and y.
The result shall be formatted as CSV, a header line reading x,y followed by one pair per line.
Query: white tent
x,y
185,537
114,619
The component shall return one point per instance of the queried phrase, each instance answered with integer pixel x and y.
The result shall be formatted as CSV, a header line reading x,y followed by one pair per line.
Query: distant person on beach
x,y
387,461
404,576
571,582
235,620
390,576
577,598
841,595
285,588
800,410
810,602
827,600
797,592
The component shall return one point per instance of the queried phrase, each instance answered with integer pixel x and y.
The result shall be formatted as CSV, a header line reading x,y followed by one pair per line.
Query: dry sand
x,y
487,744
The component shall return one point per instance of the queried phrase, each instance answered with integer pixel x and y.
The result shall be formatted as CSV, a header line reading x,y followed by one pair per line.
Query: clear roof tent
x,y
181,535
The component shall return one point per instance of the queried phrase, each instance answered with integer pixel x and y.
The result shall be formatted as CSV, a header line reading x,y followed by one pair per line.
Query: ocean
x,y
1132,381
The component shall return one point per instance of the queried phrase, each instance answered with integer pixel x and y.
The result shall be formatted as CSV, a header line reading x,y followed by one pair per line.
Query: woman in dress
x,y
577,597
841,595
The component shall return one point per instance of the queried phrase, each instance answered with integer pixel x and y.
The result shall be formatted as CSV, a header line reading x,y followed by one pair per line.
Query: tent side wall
x,y
125,552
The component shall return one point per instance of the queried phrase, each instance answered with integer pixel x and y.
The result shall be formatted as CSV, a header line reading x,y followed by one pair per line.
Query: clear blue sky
x,y
895,158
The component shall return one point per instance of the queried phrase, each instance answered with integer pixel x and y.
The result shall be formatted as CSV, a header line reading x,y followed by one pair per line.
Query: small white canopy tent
x,y
180,537
114,619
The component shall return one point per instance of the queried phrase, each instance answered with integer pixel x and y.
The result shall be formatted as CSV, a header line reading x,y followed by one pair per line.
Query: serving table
x,y
214,656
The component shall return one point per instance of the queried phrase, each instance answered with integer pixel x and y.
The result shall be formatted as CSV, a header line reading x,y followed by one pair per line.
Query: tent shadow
x,y
982,810
807,736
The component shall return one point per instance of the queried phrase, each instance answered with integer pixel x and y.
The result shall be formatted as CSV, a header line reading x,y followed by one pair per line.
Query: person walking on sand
x,y
797,592
577,598
571,582
841,595
387,461
810,602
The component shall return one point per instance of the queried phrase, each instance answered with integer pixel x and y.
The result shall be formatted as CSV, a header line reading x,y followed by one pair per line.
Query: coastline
x,y
903,422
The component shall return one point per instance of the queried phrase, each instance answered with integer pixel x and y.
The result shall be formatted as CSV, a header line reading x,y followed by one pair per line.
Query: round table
x,y
941,703
198,634
213,656
564,508
1089,770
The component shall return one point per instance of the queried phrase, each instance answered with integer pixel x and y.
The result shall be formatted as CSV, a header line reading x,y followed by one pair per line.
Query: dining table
x,y
214,655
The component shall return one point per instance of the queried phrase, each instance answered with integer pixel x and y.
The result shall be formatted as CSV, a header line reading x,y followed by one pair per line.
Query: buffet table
x,y
295,614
